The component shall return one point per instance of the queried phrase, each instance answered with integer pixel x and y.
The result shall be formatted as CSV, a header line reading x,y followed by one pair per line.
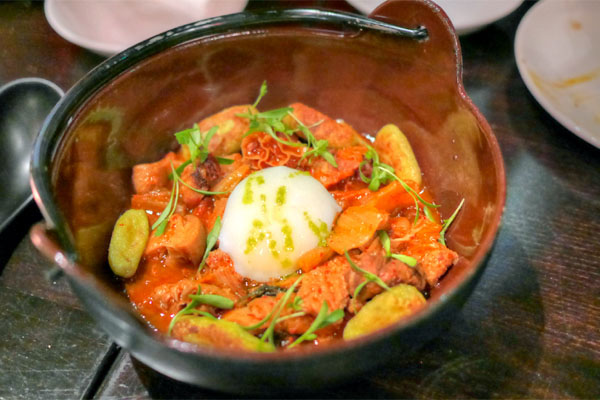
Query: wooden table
x,y
531,328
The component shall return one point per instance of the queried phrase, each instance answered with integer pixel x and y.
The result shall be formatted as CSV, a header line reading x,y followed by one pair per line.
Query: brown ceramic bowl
x,y
366,71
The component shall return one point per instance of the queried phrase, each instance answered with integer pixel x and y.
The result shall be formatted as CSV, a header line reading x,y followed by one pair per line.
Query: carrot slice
x,y
348,198
355,227
390,197
314,257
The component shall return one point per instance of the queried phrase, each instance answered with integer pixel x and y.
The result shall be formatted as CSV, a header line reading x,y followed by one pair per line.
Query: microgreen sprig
x,y
378,174
429,214
384,238
323,319
263,90
211,240
369,277
297,303
290,316
448,222
409,189
268,334
161,223
176,176
196,141
383,173
408,260
198,299
277,305
318,147
271,122
179,170
225,161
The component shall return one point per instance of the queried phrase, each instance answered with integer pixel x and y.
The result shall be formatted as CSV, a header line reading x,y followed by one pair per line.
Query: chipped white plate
x,y
466,15
107,27
557,49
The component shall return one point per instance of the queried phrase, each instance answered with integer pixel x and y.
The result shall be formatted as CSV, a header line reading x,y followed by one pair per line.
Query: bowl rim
x,y
62,116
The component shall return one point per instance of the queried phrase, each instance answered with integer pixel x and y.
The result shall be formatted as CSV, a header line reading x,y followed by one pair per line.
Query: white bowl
x,y
108,26
466,15
557,49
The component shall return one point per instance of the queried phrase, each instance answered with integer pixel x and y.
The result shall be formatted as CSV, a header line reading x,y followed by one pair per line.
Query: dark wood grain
x,y
531,329
49,346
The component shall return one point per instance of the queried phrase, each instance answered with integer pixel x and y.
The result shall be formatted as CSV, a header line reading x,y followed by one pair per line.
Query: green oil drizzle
x,y
298,173
320,230
248,197
281,195
273,248
263,203
258,233
251,244
288,243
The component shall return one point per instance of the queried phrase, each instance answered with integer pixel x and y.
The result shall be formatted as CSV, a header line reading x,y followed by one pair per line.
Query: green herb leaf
x,y
416,208
290,316
386,243
368,276
191,138
179,169
409,189
270,314
161,223
275,115
190,308
271,122
383,173
213,300
384,238
297,303
408,260
323,319
268,335
359,288
211,240
318,147
261,94
196,142
448,222
225,161
378,173
429,214
333,317
206,139
271,133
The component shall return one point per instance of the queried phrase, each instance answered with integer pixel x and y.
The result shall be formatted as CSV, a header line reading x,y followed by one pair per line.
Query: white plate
x,y
466,15
107,27
557,48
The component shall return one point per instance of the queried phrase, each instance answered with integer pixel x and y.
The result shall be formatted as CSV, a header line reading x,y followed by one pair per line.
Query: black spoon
x,y
24,105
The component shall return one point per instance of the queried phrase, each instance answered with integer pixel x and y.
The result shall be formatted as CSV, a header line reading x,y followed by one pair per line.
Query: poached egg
x,y
272,217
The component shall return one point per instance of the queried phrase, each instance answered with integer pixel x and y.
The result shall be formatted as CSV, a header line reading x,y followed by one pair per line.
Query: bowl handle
x,y
42,239
441,47
97,296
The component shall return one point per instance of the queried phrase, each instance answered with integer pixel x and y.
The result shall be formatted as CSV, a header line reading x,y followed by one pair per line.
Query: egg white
x,y
265,228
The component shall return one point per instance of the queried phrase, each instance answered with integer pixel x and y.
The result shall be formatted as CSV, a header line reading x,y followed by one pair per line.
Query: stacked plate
x,y
108,26
557,48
